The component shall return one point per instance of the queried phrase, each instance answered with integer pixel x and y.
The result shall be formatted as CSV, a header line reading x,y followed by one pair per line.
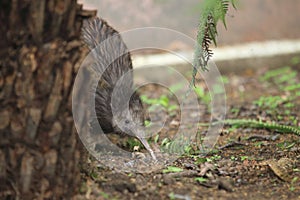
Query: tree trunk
x,y
40,52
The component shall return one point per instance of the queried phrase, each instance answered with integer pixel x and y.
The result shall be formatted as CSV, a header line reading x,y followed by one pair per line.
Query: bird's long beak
x,y
147,146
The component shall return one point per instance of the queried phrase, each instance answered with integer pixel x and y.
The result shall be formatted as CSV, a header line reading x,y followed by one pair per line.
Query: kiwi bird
x,y
113,61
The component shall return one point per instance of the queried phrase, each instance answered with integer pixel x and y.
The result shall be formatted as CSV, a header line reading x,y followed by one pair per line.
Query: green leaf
x,y
200,160
199,91
172,196
295,60
164,101
147,123
234,3
201,179
292,87
165,141
244,158
156,138
172,108
172,169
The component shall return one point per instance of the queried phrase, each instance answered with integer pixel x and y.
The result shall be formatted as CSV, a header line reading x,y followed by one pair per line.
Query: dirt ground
x,y
246,163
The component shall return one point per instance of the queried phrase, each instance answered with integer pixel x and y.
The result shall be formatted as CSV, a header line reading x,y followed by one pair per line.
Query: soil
x,y
246,163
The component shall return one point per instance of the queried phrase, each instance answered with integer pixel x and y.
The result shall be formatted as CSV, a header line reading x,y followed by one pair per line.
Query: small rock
x,y
167,180
121,187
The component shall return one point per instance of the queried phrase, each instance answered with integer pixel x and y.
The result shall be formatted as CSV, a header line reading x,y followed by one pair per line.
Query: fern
x,y
258,124
212,11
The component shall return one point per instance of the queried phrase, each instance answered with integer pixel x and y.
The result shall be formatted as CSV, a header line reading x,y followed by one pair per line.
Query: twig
x,y
231,144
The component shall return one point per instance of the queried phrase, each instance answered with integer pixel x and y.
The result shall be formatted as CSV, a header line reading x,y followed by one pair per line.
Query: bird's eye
x,y
127,121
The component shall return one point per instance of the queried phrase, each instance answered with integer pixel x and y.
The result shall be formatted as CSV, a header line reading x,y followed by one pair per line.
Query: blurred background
x,y
256,22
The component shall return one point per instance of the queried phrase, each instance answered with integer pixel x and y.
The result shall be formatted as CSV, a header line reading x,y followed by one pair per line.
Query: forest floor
x,y
246,163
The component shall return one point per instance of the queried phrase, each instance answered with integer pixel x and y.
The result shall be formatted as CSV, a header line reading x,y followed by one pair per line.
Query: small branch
x,y
231,144
188,173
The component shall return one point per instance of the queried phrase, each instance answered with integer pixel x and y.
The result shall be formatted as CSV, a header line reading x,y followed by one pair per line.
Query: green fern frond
x,y
259,124
212,11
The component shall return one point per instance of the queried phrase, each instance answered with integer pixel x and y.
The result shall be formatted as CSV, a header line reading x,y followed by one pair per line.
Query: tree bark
x,y
40,52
